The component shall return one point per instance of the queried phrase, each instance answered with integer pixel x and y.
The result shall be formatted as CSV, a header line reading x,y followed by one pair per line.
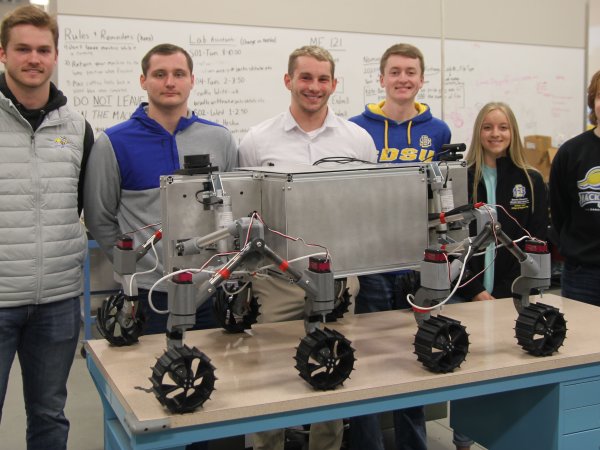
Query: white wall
x,y
545,22
593,60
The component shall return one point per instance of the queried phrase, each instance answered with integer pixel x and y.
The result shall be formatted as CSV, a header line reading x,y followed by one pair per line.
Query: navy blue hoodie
x,y
412,141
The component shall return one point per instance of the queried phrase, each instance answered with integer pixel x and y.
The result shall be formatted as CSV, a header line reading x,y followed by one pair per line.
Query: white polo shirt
x,y
280,140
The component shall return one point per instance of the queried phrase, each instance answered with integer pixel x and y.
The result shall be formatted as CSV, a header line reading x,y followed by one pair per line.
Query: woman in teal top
x,y
499,175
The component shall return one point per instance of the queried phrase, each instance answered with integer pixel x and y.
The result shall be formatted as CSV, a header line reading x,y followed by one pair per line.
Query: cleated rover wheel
x,y
540,329
441,344
115,326
342,302
235,313
183,379
324,359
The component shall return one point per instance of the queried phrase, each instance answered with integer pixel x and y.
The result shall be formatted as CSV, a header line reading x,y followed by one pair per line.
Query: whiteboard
x,y
545,86
239,73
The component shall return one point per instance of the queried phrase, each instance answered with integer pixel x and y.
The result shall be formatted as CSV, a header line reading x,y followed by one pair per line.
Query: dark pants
x,y
157,323
581,283
384,292
44,337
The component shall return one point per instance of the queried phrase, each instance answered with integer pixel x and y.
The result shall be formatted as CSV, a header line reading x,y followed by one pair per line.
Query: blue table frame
x,y
88,319
538,409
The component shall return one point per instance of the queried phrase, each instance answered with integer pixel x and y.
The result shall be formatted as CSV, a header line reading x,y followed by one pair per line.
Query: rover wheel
x,y
441,344
540,329
235,313
183,379
324,359
115,326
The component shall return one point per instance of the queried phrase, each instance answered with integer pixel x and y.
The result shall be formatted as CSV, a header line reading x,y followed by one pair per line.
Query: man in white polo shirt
x,y
307,132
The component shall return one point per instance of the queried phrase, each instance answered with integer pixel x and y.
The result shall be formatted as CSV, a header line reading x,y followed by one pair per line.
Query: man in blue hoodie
x,y
404,131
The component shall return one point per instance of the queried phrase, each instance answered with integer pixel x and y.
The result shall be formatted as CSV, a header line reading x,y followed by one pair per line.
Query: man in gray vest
x,y
43,245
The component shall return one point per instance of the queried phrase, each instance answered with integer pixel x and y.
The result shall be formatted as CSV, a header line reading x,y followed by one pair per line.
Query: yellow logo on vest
x,y
61,141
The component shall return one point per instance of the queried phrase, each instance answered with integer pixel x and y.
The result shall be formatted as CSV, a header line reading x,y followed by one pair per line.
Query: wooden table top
x,y
256,373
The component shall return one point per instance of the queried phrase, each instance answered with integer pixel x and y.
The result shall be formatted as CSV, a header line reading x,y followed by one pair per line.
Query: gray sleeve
x,y
102,194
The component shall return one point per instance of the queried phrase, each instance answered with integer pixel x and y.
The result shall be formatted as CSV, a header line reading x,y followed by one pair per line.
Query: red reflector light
x,y
536,247
319,265
435,256
183,277
125,243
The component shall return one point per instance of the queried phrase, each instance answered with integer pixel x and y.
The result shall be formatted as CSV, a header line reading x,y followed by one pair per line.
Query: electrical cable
x,y
341,160
410,297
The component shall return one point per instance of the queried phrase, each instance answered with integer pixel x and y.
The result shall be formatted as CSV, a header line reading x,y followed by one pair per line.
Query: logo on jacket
x,y
425,141
61,141
519,191
591,179
519,200
590,185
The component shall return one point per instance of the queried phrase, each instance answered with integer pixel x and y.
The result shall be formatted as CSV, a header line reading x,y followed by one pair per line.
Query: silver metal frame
x,y
371,218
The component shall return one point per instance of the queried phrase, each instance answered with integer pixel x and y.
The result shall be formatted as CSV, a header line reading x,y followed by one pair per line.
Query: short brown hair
x,y
591,97
27,15
407,50
314,51
165,49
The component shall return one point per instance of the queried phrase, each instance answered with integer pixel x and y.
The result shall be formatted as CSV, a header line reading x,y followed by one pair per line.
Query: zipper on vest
x,y
37,203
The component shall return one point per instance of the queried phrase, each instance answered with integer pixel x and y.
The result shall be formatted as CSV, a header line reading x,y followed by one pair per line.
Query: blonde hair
x,y
516,150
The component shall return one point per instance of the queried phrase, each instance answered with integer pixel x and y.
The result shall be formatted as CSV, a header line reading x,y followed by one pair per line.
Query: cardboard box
x,y
537,153
544,169
538,142
536,149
